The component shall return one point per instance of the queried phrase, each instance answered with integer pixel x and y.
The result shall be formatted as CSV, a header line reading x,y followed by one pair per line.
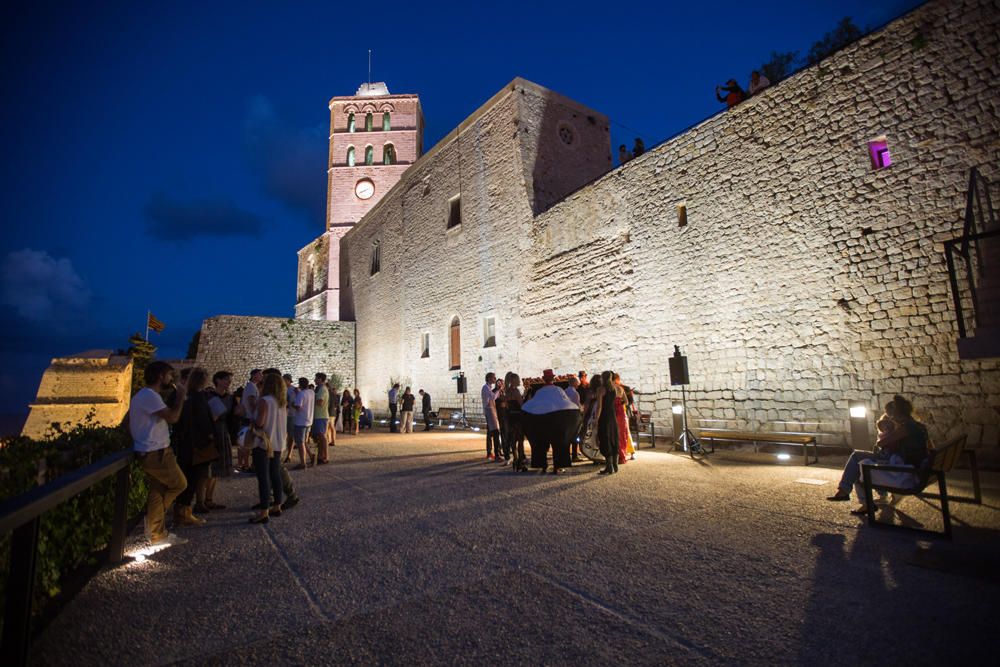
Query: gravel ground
x,y
411,549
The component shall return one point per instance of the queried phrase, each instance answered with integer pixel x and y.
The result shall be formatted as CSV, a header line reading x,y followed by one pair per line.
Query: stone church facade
x,y
792,246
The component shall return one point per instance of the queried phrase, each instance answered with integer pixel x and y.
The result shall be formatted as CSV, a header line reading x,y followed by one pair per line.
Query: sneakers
x,y
168,540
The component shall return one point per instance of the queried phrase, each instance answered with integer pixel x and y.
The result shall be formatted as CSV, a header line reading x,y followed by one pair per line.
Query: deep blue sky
x,y
173,157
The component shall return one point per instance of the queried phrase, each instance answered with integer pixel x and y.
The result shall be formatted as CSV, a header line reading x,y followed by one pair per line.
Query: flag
x,y
154,324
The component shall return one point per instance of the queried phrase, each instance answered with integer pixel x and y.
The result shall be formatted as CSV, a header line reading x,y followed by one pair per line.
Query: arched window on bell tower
x,y
388,154
369,155
350,156
385,121
350,122
368,122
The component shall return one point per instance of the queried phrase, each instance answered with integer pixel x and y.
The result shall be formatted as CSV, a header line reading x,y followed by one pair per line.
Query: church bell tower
x,y
374,137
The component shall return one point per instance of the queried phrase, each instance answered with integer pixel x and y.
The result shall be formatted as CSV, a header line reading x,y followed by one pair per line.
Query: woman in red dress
x,y
622,419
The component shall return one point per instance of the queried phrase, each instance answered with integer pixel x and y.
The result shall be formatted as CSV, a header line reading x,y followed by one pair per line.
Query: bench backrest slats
x,y
944,458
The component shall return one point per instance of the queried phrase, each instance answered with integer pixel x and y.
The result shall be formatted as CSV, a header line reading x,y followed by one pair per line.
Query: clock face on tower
x,y
364,189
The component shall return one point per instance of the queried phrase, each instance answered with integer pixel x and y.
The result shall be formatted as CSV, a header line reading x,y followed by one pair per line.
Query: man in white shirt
x,y
148,417
393,403
251,394
304,407
571,392
489,398
758,82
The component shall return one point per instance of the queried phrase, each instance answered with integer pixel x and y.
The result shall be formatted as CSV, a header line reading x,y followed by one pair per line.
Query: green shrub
x,y
71,534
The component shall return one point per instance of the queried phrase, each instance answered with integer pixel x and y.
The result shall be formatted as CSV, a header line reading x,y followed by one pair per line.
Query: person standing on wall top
x,y
321,414
488,395
393,404
734,94
758,82
623,155
406,410
425,407
148,417
638,148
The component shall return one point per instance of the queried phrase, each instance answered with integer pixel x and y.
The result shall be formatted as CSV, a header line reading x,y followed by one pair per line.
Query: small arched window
x,y
350,122
385,121
369,155
388,154
350,156
455,344
368,122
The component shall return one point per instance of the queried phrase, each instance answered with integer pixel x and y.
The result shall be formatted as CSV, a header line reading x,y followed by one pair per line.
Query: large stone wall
x,y
504,161
300,347
804,278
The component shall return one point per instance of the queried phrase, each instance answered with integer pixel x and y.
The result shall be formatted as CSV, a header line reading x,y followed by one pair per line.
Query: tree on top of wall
x,y
142,352
845,33
780,66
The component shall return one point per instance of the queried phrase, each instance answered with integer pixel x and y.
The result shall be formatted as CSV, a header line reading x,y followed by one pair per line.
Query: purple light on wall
x,y
878,151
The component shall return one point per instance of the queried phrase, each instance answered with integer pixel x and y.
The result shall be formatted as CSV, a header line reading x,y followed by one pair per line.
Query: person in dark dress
x,y
511,430
425,407
192,435
607,424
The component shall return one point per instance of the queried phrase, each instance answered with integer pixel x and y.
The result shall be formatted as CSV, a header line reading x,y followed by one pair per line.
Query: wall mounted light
x,y
677,410
860,435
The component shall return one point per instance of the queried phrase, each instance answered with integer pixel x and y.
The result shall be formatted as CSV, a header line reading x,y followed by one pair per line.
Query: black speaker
x,y
463,385
678,368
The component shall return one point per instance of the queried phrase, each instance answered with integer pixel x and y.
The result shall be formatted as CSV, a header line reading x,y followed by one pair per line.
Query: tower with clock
x,y
374,137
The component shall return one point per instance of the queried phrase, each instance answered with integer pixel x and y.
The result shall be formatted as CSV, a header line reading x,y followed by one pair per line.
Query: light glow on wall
x,y
858,412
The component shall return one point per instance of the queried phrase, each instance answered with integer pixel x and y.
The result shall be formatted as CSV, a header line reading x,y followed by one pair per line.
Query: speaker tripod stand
x,y
688,441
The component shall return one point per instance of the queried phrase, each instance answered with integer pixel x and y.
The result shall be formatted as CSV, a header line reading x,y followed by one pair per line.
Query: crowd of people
x,y
586,412
184,429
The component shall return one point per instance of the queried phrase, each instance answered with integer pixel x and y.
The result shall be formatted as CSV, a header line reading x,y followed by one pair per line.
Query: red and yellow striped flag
x,y
154,324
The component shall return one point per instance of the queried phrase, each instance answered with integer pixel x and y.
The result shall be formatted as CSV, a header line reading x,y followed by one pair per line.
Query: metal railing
x,y
23,515
964,252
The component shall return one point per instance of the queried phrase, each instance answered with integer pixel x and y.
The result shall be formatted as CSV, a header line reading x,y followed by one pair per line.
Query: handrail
x,y
978,190
22,515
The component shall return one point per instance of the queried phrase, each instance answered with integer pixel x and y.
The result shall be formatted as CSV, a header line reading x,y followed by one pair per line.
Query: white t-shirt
x,y
249,390
276,423
304,413
149,431
573,395
292,399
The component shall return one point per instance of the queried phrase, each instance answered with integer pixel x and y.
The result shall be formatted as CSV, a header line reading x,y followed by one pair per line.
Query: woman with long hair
x,y
194,445
268,439
607,423
346,411
622,415
356,416
512,433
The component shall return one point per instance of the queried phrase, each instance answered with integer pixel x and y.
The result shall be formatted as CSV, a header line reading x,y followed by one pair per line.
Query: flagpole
x,y
148,312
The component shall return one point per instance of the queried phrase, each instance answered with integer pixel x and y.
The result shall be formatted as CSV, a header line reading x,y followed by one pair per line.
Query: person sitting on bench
x,y
902,440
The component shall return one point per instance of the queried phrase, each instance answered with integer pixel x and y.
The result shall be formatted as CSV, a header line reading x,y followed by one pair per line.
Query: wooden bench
x,y
448,416
770,437
939,463
646,428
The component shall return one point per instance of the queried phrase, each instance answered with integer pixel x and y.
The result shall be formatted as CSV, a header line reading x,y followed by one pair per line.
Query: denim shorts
x,y
299,434
319,426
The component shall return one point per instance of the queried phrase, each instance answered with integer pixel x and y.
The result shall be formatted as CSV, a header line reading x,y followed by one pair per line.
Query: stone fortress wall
x,y
93,385
300,347
802,280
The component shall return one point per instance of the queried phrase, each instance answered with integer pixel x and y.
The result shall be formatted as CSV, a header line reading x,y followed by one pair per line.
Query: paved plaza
x,y
411,549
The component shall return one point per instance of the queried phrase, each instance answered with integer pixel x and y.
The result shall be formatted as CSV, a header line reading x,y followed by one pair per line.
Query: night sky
x,y
173,157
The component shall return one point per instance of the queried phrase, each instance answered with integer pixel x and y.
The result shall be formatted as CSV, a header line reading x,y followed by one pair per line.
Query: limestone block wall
x,y
501,162
89,387
803,278
300,347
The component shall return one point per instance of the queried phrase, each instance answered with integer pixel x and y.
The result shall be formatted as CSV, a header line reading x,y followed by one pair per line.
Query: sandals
x,y
860,511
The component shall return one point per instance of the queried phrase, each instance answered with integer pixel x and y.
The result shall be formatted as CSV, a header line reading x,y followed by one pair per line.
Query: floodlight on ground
x,y
860,435
784,457
677,409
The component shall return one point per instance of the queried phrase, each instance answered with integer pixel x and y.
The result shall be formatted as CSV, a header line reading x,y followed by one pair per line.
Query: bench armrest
x,y
885,467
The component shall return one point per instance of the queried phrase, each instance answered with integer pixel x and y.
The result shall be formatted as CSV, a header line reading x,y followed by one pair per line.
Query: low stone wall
x,y
300,347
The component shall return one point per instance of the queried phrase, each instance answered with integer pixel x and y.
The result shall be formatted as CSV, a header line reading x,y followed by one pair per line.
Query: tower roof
x,y
372,89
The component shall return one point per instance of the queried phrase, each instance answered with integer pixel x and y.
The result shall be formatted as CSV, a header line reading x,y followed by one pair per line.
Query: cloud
x,y
170,220
290,161
41,288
